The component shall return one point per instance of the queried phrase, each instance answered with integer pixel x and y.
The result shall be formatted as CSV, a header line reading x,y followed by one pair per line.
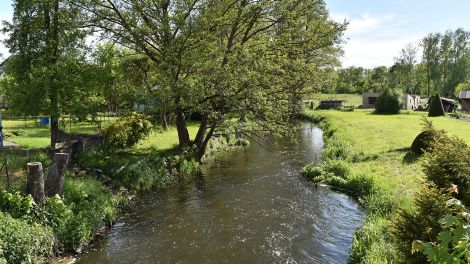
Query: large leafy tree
x,y
226,59
44,41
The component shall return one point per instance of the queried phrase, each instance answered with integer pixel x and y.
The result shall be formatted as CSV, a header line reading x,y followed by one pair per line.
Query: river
x,y
252,206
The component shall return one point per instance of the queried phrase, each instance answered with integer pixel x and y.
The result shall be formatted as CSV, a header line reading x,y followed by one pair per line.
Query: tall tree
x,y
225,59
42,38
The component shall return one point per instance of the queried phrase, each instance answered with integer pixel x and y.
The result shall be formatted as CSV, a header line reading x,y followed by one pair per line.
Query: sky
x,y
378,29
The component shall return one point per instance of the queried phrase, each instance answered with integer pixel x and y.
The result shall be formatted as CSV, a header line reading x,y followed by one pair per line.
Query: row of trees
x,y
225,59
444,68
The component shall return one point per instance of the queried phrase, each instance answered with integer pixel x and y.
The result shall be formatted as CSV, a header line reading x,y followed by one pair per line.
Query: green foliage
x,y
447,164
91,205
126,131
435,106
426,138
372,243
337,149
453,245
388,103
322,172
18,206
23,242
422,223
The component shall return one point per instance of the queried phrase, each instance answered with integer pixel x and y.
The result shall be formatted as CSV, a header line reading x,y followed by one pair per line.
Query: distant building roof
x,y
465,95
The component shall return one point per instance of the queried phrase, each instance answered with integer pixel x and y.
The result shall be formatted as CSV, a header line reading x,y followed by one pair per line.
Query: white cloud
x,y
373,40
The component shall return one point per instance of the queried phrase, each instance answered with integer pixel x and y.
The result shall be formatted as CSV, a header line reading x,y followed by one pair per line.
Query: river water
x,y
252,206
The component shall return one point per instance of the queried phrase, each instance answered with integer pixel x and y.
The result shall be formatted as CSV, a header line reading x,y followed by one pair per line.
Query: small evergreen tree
x,y
435,106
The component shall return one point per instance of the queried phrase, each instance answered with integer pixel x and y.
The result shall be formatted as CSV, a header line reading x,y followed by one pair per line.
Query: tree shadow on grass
x,y
410,158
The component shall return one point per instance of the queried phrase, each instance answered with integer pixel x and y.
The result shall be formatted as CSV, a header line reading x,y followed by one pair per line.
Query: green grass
x,y
393,170
31,135
351,99
165,140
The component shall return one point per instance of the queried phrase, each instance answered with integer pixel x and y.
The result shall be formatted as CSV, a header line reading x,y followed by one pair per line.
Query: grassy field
x,y
388,137
393,169
351,99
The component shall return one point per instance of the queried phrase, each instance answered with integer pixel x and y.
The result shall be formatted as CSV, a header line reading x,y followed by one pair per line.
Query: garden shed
x,y
369,99
465,100
331,104
449,105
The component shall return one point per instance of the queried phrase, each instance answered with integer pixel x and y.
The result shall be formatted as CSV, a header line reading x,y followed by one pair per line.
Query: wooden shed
x,y
465,100
331,104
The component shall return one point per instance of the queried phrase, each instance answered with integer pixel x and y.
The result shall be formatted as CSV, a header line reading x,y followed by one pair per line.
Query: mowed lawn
x,y
351,99
31,135
387,137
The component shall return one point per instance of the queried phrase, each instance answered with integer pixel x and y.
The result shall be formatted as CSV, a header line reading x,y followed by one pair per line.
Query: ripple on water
x,y
254,207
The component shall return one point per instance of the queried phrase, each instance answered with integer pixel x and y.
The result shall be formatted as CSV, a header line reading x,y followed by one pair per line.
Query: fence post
x,y
35,185
55,182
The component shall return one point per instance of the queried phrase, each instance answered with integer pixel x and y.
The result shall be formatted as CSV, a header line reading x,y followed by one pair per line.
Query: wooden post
x,y
55,181
35,185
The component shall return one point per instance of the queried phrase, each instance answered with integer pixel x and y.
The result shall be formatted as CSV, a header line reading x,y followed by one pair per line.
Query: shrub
x,y
435,106
91,204
241,142
23,242
453,241
18,206
421,224
425,139
388,103
127,131
447,163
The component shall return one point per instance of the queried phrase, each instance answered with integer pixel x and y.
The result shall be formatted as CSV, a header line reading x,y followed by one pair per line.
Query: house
x,y
465,100
411,101
331,104
369,99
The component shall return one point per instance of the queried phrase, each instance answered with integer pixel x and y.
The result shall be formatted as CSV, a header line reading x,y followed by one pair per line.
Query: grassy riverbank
x,y
95,190
378,169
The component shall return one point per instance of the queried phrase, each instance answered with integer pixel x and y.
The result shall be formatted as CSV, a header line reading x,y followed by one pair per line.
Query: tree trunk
x,y
201,150
198,140
183,134
163,117
35,182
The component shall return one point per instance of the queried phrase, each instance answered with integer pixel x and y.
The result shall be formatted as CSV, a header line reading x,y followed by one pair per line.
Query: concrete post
x,y
35,184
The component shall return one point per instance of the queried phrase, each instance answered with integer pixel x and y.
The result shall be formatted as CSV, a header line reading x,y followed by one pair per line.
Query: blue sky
x,y
378,29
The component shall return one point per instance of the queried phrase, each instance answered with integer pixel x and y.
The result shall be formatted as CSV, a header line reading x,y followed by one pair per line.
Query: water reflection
x,y
251,207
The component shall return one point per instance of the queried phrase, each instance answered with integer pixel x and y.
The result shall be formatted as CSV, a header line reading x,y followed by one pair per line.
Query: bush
x,y
23,242
426,138
421,224
92,205
388,103
126,131
453,241
435,106
448,163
